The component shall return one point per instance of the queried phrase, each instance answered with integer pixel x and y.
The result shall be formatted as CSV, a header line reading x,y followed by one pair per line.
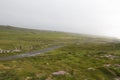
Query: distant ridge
x,y
19,29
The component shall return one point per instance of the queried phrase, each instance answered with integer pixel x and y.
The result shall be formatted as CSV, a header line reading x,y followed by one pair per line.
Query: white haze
x,y
98,17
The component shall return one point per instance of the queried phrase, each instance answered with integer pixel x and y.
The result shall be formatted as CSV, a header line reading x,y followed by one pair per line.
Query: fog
x,y
98,17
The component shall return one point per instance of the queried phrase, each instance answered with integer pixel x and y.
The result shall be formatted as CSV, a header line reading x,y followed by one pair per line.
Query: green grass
x,y
83,57
74,59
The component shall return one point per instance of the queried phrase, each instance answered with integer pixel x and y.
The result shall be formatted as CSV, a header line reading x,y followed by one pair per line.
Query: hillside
x,y
84,57
26,40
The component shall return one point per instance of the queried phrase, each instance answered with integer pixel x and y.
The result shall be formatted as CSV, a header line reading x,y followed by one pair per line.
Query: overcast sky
x,y
99,17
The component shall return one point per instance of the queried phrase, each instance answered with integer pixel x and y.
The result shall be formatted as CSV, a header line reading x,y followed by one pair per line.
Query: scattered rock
x,y
28,78
93,69
9,51
112,57
16,50
107,65
116,78
59,73
117,65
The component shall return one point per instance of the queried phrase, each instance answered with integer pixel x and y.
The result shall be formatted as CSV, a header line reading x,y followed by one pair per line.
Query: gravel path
x,y
29,54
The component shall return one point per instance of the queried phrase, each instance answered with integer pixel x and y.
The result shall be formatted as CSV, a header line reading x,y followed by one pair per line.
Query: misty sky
x,y
99,17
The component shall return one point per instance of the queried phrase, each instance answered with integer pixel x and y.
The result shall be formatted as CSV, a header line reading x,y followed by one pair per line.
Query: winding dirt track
x,y
29,54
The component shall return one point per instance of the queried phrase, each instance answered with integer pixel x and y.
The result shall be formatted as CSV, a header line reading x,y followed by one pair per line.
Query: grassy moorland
x,y
82,58
26,40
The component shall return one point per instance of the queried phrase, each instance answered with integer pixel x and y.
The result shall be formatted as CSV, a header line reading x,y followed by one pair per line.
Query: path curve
x,y
29,54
